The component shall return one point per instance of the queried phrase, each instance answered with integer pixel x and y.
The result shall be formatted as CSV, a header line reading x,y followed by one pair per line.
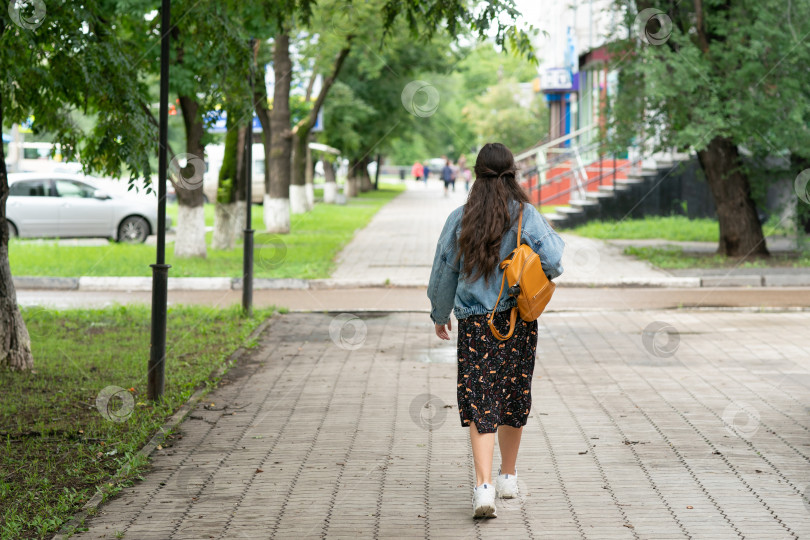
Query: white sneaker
x,y
484,501
506,485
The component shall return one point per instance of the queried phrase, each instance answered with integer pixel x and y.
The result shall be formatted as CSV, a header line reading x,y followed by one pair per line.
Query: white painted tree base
x,y
330,192
224,215
351,187
298,199
310,191
238,220
276,215
190,239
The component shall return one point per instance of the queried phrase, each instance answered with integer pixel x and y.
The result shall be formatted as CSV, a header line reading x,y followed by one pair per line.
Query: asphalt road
x,y
415,299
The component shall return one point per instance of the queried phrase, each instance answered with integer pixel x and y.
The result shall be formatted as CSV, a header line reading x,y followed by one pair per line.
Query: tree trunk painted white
x,y
238,220
276,215
190,238
330,192
225,214
298,199
310,192
352,187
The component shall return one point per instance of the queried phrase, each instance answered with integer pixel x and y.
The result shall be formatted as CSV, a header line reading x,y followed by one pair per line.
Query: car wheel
x,y
133,230
12,230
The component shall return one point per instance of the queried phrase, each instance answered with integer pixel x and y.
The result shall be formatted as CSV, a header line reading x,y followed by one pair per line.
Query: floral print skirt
x,y
495,377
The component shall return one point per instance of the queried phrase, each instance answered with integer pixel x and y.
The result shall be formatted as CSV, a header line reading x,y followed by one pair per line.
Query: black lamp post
x,y
247,246
160,270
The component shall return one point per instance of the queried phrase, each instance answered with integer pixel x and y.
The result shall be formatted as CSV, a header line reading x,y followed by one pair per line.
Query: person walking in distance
x,y
426,171
448,176
417,170
494,377
464,172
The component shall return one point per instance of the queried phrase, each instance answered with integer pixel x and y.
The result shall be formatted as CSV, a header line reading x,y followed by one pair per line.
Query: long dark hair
x,y
486,214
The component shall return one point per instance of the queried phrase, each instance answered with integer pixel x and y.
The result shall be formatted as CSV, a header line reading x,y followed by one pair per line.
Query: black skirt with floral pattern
x,y
495,377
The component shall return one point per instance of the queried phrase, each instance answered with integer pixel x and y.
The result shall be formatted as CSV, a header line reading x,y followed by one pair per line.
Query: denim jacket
x,y
447,291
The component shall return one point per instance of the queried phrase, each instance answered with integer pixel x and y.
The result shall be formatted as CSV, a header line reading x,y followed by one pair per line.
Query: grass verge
x,y
674,257
675,228
551,208
308,252
58,445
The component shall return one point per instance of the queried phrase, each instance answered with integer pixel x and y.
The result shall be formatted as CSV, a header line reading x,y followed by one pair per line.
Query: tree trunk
x,y
15,344
353,178
377,172
310,181
298,187
365,179
263,112
190,240
224,219
330,182
298,200
240,188
277,198
740,228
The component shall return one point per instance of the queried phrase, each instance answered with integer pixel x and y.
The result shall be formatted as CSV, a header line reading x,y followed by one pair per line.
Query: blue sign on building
x,y
219,119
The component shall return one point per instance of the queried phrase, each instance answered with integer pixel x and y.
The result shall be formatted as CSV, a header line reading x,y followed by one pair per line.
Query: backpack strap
x,y
513,314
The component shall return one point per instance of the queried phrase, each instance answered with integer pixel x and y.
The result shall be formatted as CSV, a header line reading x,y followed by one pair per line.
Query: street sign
x,y
556,79
220,119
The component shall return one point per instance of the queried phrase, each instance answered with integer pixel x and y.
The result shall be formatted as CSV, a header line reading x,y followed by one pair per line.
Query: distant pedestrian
x,y
448,176
417,171
494,378
426,170
464,172
467,176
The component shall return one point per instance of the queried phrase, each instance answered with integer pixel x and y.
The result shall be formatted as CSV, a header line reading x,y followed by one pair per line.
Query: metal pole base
x,y
157,347
247,274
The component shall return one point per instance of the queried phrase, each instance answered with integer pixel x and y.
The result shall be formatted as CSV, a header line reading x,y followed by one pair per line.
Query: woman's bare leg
x,y
509,443
483,447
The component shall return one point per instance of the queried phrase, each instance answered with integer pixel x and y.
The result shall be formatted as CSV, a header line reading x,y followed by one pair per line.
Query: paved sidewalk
x,y
342,427
399,243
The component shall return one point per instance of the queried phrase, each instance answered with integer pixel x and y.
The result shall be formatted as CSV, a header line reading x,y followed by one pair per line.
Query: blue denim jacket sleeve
x,y
543,240
444,275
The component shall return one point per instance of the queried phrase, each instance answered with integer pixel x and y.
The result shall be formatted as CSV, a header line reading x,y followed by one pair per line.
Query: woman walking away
x,y
494,377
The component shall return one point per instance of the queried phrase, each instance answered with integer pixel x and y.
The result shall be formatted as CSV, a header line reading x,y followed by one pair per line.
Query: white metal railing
x,y
541,152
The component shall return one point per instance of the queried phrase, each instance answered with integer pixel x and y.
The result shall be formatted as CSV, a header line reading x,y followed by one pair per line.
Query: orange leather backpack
x,y
527,281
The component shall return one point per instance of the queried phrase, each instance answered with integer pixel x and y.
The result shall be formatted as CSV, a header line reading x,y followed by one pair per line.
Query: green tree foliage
x,y
468,77
726,79
502,114
76,62
51,65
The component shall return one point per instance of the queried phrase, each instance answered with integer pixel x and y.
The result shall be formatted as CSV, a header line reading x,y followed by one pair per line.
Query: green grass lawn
x,y
57,445
551,208
674,257
308,252
676,228
673,228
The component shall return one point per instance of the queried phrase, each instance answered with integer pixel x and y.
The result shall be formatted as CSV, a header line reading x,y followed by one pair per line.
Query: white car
x,y
45,205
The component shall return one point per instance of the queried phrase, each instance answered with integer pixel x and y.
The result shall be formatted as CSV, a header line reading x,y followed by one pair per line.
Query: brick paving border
x,y
336,428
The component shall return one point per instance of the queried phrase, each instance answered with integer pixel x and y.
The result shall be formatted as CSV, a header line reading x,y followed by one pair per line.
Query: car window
x,y
30,188
70,188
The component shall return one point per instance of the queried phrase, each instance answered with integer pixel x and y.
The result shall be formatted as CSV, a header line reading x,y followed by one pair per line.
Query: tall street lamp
x,y
160,270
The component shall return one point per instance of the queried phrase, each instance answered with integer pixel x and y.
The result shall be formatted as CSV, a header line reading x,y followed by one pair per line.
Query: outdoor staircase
x,y
612,201
577,175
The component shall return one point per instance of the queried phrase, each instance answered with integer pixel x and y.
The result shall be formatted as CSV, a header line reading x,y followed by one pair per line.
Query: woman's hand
x,y
441,331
